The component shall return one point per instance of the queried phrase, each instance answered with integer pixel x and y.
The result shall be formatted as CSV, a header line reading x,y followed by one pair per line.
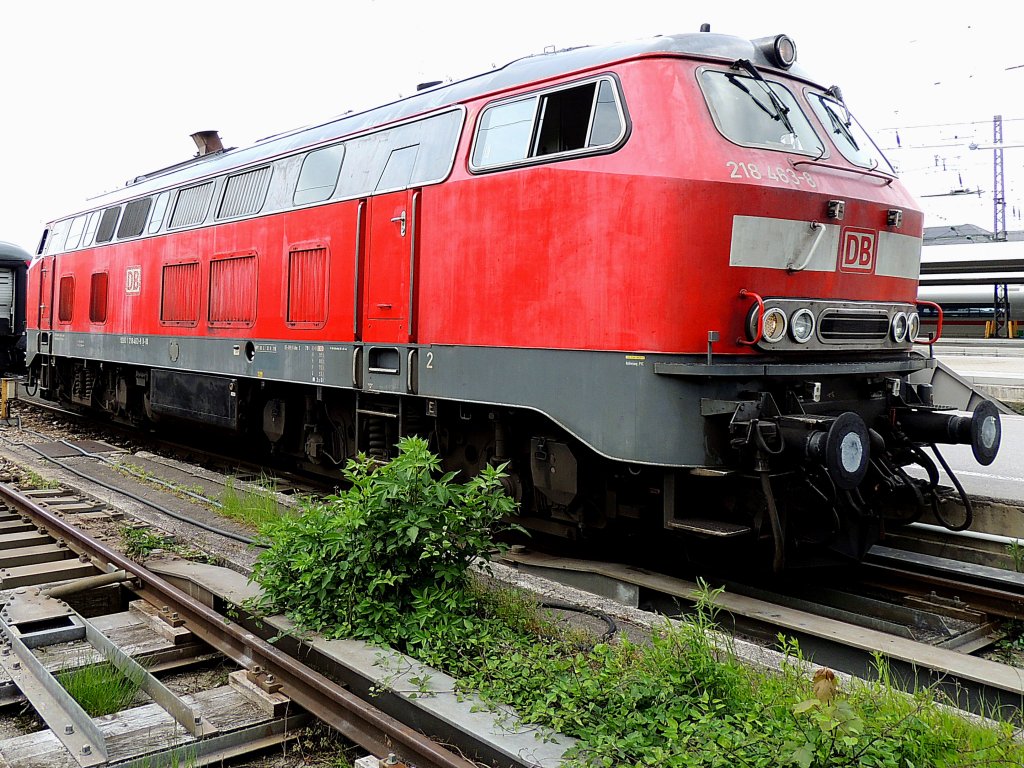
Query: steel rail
x,y
372,729
990,600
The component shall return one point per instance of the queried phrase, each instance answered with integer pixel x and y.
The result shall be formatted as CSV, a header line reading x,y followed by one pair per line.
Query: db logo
x,y
857,250
133,280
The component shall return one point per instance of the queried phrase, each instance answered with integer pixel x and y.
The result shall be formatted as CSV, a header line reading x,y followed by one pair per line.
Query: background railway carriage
x,y
14,263
672,281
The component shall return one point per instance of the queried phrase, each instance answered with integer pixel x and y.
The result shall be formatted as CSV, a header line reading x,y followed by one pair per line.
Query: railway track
x,y
341,690
284,688
229,462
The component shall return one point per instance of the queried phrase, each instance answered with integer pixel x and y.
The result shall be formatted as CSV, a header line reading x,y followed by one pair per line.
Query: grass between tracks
x,y
254,505
387,561
100,689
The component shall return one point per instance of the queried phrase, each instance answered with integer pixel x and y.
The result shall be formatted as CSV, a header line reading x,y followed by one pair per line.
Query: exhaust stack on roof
x,y
207,142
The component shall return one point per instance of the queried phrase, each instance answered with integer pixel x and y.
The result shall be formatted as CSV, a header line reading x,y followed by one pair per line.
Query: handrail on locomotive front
x,y
760,318
938,326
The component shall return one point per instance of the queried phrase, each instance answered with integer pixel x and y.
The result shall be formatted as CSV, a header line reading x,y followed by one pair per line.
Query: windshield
x,y
848,135
747,114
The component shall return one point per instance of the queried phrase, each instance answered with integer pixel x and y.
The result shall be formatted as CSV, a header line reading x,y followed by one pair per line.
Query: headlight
x,y
780,50
801,326
899,327
774,324
785,51
913,326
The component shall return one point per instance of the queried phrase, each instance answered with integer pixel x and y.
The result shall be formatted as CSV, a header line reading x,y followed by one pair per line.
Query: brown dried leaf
x,y
825,685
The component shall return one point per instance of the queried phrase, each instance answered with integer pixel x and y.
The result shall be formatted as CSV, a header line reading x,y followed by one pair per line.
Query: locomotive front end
x,y
816,390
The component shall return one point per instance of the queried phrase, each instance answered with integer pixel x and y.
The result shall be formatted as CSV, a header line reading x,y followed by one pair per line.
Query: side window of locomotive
x,y
438,138
58,232
75,232
66,299
90,229
748,115
105,232
319,175
244,193
191,205
848,135
159,209
98,298
607,125
581,117
398,170
503,135
564,120
577,118
417,152
134,219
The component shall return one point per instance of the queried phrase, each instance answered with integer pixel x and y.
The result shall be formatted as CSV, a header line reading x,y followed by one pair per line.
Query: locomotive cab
x,y
814,401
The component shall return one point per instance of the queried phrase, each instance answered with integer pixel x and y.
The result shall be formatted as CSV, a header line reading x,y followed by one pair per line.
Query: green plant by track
x,y
387,562
100,689
30,479
140,543
1016,552
387,559
255,506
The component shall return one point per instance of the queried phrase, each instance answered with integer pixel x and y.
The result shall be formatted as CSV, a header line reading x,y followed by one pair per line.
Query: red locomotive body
x,y
626,270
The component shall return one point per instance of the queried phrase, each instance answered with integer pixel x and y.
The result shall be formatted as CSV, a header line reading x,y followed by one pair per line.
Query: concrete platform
x,y
993,366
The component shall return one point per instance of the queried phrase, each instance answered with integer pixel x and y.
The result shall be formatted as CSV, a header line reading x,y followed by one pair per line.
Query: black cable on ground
x,y
152,505
121,467
612,627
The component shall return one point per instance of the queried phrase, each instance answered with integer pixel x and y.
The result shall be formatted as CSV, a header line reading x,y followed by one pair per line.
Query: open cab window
x,y
566,121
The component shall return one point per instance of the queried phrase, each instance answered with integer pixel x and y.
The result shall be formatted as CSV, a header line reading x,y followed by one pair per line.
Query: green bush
x,y
387,559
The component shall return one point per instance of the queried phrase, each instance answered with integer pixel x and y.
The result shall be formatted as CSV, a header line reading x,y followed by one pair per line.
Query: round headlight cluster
x,y
900,325
774,324
913,326
801,325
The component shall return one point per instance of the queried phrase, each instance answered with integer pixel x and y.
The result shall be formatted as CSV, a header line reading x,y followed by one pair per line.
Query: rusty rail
x,y
372,729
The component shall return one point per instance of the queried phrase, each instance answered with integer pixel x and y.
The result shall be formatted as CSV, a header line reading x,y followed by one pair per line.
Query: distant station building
x,y
977,279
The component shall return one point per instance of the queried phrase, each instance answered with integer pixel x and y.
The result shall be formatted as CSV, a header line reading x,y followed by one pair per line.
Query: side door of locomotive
x,y
45,303
389,258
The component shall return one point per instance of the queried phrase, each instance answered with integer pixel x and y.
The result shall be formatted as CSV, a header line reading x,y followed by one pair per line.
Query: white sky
x,y
95,93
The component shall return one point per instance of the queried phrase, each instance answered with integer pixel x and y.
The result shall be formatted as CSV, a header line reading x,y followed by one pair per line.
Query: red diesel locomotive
x,y
672,282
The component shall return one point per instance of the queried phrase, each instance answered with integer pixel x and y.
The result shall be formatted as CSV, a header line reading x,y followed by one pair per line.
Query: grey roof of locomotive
x,y
530,69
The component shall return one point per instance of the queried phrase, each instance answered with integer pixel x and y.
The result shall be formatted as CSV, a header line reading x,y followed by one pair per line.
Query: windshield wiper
x,y
836,93
736,81
841,128
781,110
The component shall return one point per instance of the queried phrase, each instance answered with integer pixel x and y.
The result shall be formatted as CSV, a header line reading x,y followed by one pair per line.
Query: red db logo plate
x,y
857,250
